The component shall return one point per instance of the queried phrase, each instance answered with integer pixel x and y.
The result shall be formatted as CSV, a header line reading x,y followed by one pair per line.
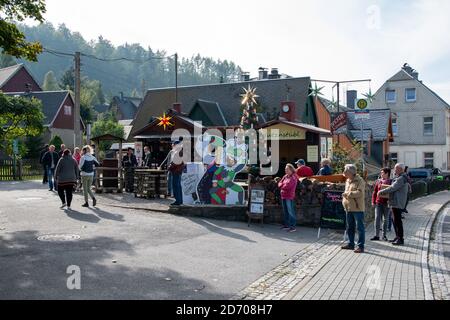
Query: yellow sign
x,y
285,132
362,104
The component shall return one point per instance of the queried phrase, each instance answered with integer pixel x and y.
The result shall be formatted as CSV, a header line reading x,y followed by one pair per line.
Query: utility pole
x,y
176,77
76,111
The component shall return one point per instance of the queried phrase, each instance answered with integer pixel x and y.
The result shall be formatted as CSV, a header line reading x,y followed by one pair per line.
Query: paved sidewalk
x,y
439,272
324,271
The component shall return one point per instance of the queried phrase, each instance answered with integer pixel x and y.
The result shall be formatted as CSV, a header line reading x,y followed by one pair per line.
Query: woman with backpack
x,y
87,165
66,174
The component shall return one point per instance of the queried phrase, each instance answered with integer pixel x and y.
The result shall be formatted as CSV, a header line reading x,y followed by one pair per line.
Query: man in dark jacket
x,y
398,195
41,156
129,162
50,160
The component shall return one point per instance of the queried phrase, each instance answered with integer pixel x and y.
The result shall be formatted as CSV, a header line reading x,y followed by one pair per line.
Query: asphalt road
x,y
128,254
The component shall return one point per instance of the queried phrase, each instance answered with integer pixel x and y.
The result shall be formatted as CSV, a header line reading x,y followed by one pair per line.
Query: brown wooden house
x,y
58,109
17,79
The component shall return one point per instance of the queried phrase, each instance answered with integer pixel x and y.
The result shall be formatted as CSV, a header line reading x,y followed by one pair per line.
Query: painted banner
x,y
223,160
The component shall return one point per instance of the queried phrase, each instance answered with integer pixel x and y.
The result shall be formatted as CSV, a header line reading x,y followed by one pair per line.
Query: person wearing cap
x,y
303,170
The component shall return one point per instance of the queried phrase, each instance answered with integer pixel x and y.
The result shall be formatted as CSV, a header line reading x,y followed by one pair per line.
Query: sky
x,y
323,39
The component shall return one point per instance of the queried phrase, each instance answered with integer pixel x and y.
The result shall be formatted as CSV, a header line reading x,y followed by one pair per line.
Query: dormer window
x,y
391,97
67,110
410,94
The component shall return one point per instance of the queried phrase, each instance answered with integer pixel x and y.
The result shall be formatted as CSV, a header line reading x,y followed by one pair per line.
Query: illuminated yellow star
x,y
249,96
165,121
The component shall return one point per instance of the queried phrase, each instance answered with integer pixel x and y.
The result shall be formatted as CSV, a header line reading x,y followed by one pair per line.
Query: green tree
x,y
19,117
108,126
67,81
12,40
122,75
50,83
343,156
6,60
57,142
33,147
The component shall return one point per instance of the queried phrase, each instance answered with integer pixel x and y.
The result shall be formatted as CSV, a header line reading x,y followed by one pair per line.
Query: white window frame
x,y
428,123
406,95
394,132
395,96
425,158
67,110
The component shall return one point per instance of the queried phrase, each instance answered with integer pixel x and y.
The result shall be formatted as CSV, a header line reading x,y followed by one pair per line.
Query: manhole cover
x,y
59,237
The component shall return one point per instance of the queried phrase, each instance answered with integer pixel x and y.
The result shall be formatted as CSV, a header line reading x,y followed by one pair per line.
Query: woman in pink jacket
x,y
287,185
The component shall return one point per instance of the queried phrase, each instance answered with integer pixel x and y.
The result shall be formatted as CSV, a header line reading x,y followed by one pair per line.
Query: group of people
x,y
63,171
175,170
390,197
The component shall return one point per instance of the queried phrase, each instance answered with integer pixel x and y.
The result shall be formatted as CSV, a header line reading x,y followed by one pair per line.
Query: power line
x,y
91,56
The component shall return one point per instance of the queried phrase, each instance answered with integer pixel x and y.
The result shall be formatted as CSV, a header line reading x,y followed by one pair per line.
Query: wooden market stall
x,y
296,141
109,177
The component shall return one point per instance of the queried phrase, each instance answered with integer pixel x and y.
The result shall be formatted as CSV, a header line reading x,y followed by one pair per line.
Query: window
x,y
394,157
394,127
410,95
391,96
428,126
428,159
67,110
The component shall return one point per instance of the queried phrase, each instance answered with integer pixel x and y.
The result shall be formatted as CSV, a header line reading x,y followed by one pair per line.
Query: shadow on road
x,y
107,215
33,269
76,215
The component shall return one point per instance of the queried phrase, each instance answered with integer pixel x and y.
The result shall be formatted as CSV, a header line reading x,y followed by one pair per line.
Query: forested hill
x,y
130,77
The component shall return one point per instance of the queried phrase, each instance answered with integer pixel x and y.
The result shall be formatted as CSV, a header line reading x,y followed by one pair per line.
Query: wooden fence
x,y
23,169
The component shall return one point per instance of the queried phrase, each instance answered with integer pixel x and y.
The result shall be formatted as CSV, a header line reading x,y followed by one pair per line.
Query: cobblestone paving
x,y
278,282
384,272
440,277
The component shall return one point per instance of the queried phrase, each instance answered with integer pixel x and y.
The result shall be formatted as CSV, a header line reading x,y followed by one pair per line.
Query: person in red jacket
x,y
288,185
303,170
382,210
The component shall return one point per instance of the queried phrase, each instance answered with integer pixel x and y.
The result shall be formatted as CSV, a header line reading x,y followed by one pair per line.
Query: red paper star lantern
x,y
164,121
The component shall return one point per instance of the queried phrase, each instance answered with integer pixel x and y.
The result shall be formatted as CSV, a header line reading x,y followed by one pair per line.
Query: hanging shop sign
x,y
285,132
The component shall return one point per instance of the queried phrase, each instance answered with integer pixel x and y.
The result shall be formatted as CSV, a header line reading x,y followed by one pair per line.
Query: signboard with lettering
x,y
285,132
312,154
362,115
257,201
190,178
333,215
338,122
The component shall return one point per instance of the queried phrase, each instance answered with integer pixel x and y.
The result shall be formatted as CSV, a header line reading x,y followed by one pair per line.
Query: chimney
x,y
121,96
351,97
412,72
263,73
177,107
288,111
274,74
245,76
